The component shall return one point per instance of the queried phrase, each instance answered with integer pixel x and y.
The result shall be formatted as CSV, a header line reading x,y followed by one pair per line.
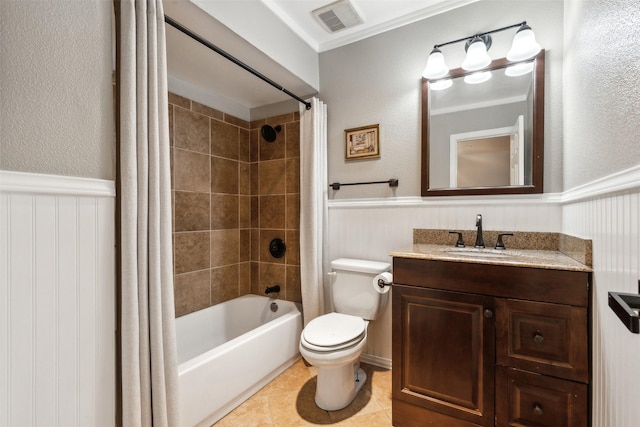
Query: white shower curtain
x,y
313,207
148,345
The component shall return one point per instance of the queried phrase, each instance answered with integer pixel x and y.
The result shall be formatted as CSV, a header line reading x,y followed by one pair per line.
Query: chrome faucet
x,y
479,241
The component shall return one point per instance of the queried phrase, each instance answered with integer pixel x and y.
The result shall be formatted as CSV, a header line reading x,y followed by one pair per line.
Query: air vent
x,y
337,16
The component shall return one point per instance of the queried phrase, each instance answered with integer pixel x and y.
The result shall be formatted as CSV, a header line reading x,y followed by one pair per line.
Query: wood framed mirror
x,y
484,138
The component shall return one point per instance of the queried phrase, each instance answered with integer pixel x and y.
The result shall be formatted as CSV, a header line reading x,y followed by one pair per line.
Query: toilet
x,y
333,342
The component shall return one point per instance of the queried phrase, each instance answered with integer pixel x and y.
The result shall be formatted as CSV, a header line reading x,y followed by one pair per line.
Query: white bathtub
x,y
229,351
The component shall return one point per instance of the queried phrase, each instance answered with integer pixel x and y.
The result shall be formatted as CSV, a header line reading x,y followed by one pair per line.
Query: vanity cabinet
x,y
489,345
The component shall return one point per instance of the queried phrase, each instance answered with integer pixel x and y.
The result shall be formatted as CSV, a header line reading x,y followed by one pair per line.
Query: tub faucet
x,y
479,241
270,289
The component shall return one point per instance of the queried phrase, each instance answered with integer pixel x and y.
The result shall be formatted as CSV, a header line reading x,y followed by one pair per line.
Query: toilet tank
x,y
352,288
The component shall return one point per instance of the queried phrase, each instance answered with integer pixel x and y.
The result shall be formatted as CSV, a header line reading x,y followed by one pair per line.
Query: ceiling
x,y
201,74
378,16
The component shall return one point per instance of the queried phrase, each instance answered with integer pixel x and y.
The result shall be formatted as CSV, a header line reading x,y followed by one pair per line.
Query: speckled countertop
x,y
553,251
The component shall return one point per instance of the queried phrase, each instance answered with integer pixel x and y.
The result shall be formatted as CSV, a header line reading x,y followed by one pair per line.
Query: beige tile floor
x,y
287,401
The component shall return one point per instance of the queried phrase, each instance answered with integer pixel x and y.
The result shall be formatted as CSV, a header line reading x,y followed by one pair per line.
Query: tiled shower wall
x,y
232,193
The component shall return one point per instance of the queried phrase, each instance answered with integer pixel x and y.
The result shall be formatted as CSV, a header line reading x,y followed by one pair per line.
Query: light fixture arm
x,y
481,35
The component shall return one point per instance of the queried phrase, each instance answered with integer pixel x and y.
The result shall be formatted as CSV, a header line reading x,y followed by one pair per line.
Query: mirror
x,y
484,138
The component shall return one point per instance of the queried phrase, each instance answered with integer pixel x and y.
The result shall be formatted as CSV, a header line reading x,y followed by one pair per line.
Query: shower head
x,y
269,133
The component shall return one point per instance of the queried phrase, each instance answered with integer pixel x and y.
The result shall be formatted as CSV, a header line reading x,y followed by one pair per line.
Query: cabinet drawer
x,y
536,400
544,338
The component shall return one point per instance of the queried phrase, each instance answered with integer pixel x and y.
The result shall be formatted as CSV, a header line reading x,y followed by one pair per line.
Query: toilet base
x,y
338,386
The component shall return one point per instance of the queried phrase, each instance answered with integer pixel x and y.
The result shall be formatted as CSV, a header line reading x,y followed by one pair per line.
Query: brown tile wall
x,y
232,193
275,206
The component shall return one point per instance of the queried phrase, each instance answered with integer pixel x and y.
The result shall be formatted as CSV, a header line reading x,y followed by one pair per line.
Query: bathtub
x,y
229,351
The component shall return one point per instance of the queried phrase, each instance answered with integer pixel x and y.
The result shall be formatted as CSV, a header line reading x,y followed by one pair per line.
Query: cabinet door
x,y
443,354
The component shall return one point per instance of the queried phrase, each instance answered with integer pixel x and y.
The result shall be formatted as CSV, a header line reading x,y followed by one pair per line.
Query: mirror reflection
x,y
483,131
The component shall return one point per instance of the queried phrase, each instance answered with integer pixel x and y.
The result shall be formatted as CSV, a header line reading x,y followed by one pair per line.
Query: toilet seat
x,y
333,331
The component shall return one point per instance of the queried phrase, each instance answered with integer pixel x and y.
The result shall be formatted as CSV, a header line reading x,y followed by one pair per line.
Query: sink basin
x,y
482,253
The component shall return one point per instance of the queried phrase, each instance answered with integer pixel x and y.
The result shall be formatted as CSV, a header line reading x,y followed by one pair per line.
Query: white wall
x,y
601,127
56,114
377,80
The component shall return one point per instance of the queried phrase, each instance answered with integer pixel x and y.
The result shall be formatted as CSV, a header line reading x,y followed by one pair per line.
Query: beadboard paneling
x,y
57,305
371,229
613,223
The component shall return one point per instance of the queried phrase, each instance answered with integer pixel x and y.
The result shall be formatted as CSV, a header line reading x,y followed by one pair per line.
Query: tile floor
x,y
288,401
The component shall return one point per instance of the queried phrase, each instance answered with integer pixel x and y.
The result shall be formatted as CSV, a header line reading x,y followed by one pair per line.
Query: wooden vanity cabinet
x,y
489,345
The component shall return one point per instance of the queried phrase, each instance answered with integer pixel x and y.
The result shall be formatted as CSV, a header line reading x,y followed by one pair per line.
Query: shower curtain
x,y
149,378
313,207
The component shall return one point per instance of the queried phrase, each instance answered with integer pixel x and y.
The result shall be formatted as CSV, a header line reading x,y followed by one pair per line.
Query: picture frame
x,y
362,143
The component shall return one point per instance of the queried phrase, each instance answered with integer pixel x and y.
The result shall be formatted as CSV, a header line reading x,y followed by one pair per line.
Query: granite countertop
x,y
552,251
553,260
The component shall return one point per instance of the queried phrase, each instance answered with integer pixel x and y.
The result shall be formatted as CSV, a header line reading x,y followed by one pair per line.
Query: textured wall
x,y
55,80
377,80
601,89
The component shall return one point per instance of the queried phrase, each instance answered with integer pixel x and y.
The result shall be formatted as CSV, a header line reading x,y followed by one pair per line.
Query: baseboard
x,y
374,360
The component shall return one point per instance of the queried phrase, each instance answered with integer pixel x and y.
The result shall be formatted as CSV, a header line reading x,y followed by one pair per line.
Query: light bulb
x,y
476,78
524,45
436,66
519,69
477,57
440,84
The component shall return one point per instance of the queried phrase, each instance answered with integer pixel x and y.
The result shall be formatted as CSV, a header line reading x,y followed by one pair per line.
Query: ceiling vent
x,y
337,16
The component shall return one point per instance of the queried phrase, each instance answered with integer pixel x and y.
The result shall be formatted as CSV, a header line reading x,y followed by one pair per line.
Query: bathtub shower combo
x,y
229,351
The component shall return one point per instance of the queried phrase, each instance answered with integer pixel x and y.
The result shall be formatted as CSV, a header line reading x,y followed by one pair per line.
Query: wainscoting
x,y
57,301
612,220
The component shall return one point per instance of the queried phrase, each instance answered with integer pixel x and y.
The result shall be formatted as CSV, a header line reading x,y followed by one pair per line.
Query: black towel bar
x,y
392,183
627,308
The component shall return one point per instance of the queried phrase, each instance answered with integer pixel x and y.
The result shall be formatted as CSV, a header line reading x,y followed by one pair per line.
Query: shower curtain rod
x,y
233,59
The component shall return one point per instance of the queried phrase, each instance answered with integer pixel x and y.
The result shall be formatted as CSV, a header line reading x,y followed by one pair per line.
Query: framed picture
x,y
362,142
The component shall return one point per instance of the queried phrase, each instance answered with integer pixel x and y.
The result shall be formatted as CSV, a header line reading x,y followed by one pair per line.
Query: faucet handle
x,y
460,242
500,243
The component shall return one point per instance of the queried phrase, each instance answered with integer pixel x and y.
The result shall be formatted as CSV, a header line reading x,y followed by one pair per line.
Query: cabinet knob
x,y
538,338
537,409
488,313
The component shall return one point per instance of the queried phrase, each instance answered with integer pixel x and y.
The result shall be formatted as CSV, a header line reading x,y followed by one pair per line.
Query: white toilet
x,y
333,342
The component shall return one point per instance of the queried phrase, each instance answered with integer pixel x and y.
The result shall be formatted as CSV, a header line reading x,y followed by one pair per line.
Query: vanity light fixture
x,y
524,44
477,57
524,47
436,67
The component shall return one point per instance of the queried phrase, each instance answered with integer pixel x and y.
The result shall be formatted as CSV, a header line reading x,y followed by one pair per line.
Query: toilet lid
x,y
333,329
